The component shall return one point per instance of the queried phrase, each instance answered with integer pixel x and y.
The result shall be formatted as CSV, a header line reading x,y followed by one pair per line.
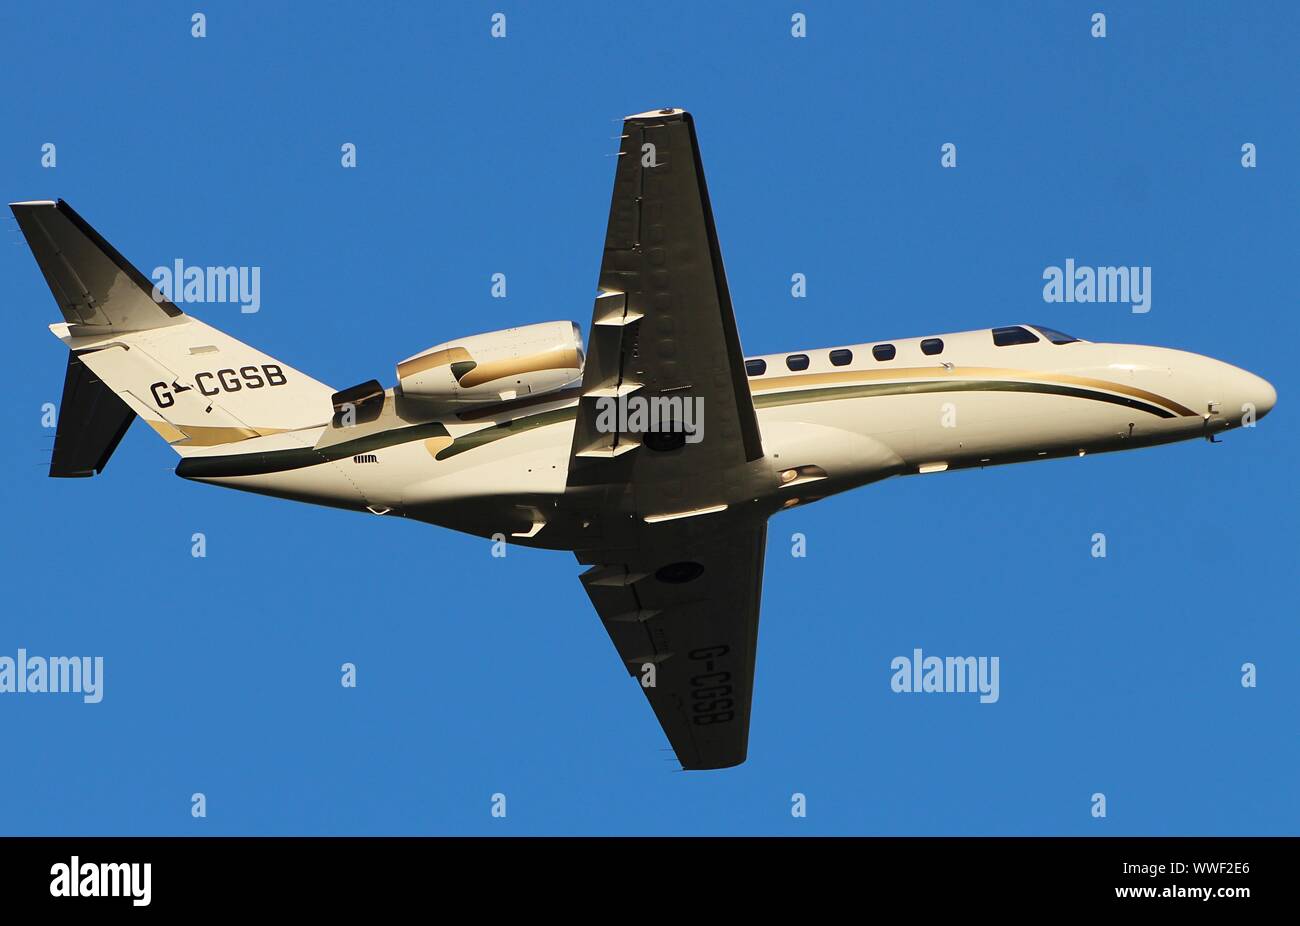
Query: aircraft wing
x,y
683,616
663,323
667,522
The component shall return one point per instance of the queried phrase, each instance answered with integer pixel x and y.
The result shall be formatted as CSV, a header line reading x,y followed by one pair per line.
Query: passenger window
x,y
841,358
932,346
797,361
755,367
1005,337
884,351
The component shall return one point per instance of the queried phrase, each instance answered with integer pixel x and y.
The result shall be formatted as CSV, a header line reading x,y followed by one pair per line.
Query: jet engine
x,y
497,365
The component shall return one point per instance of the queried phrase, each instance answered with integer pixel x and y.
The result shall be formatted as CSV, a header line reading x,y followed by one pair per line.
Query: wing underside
x,y
675,545
684,620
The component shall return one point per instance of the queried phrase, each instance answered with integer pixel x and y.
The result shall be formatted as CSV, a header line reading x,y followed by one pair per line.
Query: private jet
x,y
520,434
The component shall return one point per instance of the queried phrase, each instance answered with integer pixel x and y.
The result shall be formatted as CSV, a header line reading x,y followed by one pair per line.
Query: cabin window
x,y
797,362
1056,337
1005,337
841,358
755,367
884,351
932,346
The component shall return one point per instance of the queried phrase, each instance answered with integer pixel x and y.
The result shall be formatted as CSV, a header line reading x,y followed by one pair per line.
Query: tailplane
x,y
135,353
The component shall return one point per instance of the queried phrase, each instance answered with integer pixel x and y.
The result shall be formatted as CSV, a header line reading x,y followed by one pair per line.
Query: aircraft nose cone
x,y
1265,396
1247,389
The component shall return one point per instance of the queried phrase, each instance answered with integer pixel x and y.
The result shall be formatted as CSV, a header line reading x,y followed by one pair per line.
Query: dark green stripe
x,y
507,429
801,396
251,464
276,461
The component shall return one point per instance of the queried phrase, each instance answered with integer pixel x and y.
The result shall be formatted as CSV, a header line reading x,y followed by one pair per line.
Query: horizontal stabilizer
x,y
92,421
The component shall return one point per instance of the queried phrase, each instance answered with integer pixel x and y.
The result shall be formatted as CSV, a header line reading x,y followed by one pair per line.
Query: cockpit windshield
x,y
1056,337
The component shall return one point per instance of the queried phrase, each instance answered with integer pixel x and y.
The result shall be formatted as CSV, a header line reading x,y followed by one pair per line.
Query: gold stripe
x,y
439,358
436,444
761,385
195,435
562,359
165,431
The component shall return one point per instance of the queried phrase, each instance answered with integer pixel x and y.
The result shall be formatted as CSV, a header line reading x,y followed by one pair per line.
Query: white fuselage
x,y
825,428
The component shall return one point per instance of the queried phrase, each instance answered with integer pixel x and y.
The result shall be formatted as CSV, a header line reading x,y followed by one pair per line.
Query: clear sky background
x,y
479,675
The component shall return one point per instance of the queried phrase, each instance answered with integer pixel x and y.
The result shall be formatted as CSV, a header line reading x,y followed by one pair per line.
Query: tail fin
x,y
134,354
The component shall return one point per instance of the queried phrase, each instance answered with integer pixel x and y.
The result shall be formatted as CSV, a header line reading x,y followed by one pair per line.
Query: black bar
x,y
659,876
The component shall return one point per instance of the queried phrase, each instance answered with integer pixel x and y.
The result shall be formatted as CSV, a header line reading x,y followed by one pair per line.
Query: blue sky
x,y
480,675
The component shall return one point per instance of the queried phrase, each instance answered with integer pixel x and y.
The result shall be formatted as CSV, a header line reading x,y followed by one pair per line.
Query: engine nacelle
x,y
497,365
